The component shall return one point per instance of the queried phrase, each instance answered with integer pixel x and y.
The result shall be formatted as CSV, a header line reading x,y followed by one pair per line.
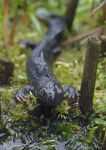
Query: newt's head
x,y
51,92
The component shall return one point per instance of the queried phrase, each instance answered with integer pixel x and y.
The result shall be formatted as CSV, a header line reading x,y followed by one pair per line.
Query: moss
x,y
66,130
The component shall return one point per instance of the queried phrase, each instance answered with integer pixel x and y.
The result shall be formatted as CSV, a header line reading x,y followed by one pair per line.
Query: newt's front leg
x,y
22,94
71,94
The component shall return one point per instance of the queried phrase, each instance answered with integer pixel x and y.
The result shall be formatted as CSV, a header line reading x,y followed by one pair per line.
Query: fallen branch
x,y
81,36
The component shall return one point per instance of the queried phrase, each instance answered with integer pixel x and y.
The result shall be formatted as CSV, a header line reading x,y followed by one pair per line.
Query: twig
x,y
97,8
81,36
13,30
6,22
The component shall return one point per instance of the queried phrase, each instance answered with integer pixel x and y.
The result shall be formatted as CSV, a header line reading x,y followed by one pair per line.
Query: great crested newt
x,y
43,83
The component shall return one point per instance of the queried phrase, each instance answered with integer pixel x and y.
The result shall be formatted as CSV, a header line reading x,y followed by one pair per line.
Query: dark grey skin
x,y
43,83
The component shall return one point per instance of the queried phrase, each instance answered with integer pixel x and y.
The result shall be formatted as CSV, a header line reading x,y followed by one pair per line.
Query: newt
x,y
43,83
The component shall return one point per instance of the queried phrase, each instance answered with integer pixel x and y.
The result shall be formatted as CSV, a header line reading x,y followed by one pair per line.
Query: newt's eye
x,y
42,93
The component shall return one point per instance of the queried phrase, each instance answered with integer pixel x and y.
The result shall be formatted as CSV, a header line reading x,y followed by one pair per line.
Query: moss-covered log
x,y
89,75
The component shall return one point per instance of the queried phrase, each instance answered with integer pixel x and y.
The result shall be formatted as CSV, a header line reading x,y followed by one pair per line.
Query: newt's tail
x,y
54,22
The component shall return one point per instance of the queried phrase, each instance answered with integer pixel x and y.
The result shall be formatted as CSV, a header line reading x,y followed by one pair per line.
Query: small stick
x,y
13,30
6,22
89,75
81,36
97,8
